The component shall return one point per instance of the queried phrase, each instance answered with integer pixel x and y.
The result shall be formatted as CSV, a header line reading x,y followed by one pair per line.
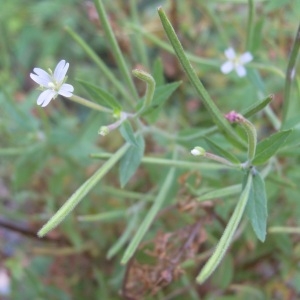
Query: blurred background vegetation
x,y
44,154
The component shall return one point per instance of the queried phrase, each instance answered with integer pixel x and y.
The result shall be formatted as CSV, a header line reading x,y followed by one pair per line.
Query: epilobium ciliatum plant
x,y
136,118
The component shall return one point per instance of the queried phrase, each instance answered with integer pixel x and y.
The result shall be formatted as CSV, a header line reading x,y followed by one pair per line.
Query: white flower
x,y
236,62
52,84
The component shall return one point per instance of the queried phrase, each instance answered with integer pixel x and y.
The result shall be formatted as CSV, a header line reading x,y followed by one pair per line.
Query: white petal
x,y
66,90
67,87
40,80
45,97
230,53
41,73
245,58
227,67
61,70
241,71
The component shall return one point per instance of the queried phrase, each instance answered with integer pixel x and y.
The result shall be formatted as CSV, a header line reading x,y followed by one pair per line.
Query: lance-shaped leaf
x,y
128,134
131,161
161,95
269,146
256,208
257,106
81,192
101,96
211,107
228,234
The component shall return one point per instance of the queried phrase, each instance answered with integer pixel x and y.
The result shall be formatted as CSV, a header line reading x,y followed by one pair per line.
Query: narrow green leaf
x,y
250,25
289,78
163,92
291,144
256,208
128,134
138,44
143,228
268,147
216,115
161,95
258,106
228,234
101,96
79,194
108,216
158,72
221,151
123,239
131,161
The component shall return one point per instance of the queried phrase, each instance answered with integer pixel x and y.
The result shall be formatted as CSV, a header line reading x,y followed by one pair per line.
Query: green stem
x,y
5,51
140,45
146,77
227,236
252,138
82,191
219,119
250,25
272,117
116,49
290,75
104,69
171,163
220,159
89,104
250,131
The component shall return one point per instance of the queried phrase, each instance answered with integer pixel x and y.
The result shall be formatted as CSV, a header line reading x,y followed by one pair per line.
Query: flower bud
x,y
198,151
104,130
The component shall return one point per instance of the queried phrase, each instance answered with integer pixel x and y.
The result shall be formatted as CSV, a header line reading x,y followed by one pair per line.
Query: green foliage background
x,y
45,153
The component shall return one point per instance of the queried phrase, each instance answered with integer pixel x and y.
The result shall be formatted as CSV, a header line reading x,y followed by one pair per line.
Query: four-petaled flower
x,y
236,62
52,84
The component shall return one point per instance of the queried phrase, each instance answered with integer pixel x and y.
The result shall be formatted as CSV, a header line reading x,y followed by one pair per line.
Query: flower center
x,y
51,85
237,61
